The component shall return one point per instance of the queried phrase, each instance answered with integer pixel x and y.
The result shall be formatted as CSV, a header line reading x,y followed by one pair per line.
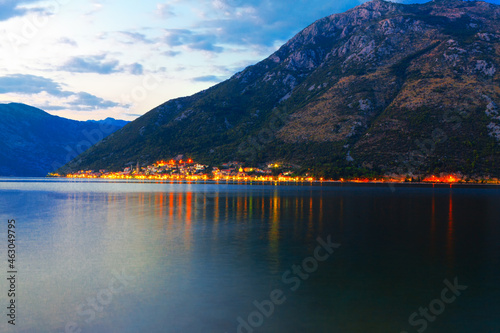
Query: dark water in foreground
x,y
134,257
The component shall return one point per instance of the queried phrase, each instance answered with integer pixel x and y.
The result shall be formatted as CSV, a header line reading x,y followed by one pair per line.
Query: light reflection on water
x,y
200,254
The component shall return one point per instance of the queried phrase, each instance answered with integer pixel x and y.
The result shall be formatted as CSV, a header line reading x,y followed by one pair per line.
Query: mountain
x,y
118,123
34,143
381,88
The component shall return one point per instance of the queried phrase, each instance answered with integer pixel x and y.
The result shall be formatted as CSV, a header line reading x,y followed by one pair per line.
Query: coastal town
x,y
181,168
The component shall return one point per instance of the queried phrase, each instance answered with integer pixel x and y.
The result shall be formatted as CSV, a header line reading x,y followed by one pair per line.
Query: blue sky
x,y
92,59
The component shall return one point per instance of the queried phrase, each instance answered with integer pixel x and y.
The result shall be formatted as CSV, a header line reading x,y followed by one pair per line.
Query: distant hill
x,y
381,88
34,143
111,121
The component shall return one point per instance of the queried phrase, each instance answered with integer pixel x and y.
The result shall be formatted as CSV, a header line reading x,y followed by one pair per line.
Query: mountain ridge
x,y
362,90
35,142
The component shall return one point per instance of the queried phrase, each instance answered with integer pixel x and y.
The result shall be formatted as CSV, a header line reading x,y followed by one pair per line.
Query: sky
x,y
93,59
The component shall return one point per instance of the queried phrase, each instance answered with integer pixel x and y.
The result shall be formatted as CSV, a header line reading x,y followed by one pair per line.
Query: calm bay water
x,y
149,257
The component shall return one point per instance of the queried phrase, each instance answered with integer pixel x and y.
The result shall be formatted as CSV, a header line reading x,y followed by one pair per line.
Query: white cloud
x,y
68,41
164,10
19,85
100,65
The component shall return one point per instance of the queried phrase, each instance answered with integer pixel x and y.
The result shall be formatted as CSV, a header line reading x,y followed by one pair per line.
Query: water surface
x,y
101,256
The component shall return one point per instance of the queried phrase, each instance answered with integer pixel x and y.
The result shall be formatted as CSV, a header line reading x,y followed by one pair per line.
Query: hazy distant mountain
x,y
385,87
34,143
111,121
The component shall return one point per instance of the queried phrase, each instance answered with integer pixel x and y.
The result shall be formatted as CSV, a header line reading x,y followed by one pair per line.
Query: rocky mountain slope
x,y
34,143
381,88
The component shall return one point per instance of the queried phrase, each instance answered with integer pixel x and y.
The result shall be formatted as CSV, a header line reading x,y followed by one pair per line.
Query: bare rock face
x,y
374,83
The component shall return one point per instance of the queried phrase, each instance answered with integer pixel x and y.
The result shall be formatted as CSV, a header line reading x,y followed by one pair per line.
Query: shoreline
x,y
235,180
